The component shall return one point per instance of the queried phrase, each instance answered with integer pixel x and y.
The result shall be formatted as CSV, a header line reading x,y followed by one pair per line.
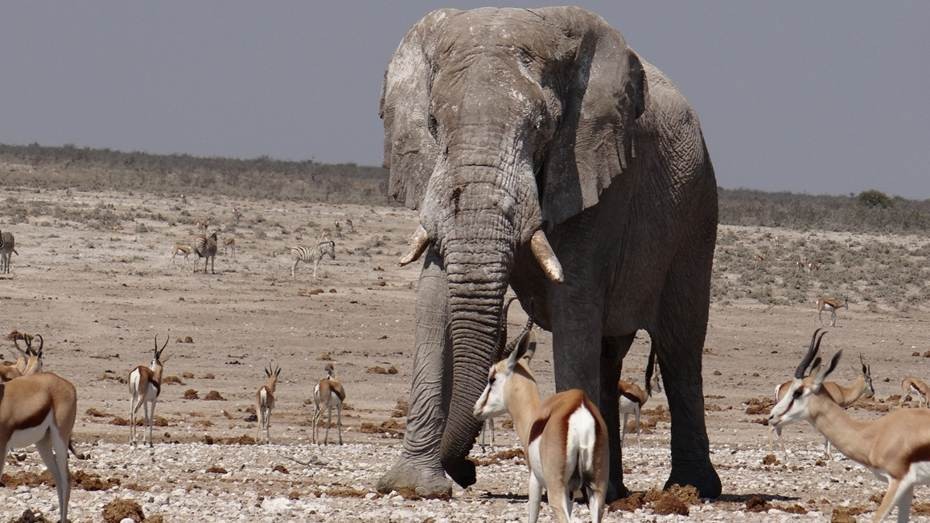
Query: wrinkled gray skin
x,y
501,122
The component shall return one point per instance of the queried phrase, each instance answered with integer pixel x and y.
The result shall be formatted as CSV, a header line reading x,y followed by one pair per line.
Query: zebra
x,y
205,247
7,249
312,255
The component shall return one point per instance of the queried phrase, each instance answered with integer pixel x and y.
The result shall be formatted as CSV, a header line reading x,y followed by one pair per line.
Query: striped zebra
x,y
312,255
205,247
7,248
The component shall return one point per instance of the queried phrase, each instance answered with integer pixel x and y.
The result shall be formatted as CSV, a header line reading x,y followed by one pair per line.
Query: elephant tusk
x,y
418,243
543,253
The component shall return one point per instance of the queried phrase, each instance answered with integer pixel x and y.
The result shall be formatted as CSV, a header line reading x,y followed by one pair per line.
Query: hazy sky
x,y
826,96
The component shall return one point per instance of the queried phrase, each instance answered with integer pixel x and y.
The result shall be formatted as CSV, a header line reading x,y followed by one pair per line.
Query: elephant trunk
x,y
477,284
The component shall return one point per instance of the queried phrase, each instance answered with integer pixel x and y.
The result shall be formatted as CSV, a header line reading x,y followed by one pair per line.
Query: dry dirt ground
x,y
94,276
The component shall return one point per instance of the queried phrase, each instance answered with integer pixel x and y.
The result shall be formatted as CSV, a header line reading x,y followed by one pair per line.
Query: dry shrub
x,y
138,487
216,470
498,457
845,514
669,504
28,516
793,509
92,482
120,509
250,409
280,468
207,439
325,357
390,427
382,370
657,413
188,339
187,375
123,422
94,413
631,503
240,440
214,396
757,503
756,406
157,518
400,409
27,479
205,423
172,380
309,292
293,495
341,491
191,394
770,459
920,508
208,376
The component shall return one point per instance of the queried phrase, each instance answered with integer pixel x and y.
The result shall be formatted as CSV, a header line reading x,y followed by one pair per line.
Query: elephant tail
x,y
650,369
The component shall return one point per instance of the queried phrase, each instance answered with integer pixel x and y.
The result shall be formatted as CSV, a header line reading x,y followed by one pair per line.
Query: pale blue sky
x,y
828,96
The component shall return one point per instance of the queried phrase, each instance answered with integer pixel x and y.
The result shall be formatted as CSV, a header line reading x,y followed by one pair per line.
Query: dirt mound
x,y
92,482
29,516
214,396
756,406
191,394
631,503
120,509
757,504
498,457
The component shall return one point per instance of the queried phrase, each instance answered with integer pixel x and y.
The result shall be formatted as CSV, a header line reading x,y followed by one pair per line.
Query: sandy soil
x,y
95,277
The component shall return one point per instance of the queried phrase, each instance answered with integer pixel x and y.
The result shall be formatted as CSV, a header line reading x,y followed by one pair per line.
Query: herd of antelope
x,y
39,408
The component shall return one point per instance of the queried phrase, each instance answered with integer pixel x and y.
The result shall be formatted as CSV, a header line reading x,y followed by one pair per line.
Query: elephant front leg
x,y
613,350
419,468
680,363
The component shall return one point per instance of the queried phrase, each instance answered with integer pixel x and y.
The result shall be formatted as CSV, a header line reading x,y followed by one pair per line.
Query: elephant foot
x,y
616,491
412,479
700,475
462,472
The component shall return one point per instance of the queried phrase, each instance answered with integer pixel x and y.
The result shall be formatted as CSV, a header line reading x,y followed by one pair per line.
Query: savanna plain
x,y
94,275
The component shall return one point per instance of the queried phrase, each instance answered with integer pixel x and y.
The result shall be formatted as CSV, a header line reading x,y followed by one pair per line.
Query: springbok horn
x,y
156,344
42,344
516,341
418,243
543,253
167,338
21,351
809,357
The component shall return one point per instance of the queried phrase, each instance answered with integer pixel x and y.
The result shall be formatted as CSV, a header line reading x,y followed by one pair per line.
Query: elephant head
x,y
499,124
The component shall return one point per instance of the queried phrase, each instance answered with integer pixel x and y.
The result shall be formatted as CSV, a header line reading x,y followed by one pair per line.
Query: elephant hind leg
x,y
613,350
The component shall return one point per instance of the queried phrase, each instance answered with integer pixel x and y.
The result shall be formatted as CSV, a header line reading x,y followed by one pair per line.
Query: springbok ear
x,y
410,150
606,92
818,381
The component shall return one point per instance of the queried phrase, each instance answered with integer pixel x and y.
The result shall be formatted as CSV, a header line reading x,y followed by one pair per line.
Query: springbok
x,y
328,394
844,396
895,447
40,409
28,362
144,388
632,399
564,437
265,400
917,387
831,305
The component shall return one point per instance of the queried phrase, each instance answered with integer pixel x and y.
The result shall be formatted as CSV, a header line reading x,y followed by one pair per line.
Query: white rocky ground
x,y
336,485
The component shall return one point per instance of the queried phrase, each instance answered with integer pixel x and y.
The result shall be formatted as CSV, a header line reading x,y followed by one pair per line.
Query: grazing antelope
x,y
632,399
144,388
28,362
229,244
830,305
895,447
265,400
40,409
312,255
328,394
7,249
181,249
237,215
205,247
916,386
564,437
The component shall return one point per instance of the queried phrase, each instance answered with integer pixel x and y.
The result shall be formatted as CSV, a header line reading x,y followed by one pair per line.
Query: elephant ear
x,y
607,92
409,147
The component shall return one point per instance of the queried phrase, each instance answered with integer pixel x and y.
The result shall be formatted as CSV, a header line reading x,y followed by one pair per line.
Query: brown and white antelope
x,y
564,437
895,447
144,389
28,361
831,305
181,249
632,399
229,244
917,387
328,394
265,400
40,409
7,250
843,396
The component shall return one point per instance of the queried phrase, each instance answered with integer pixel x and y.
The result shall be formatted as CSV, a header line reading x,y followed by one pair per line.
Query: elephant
x,y
544,154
